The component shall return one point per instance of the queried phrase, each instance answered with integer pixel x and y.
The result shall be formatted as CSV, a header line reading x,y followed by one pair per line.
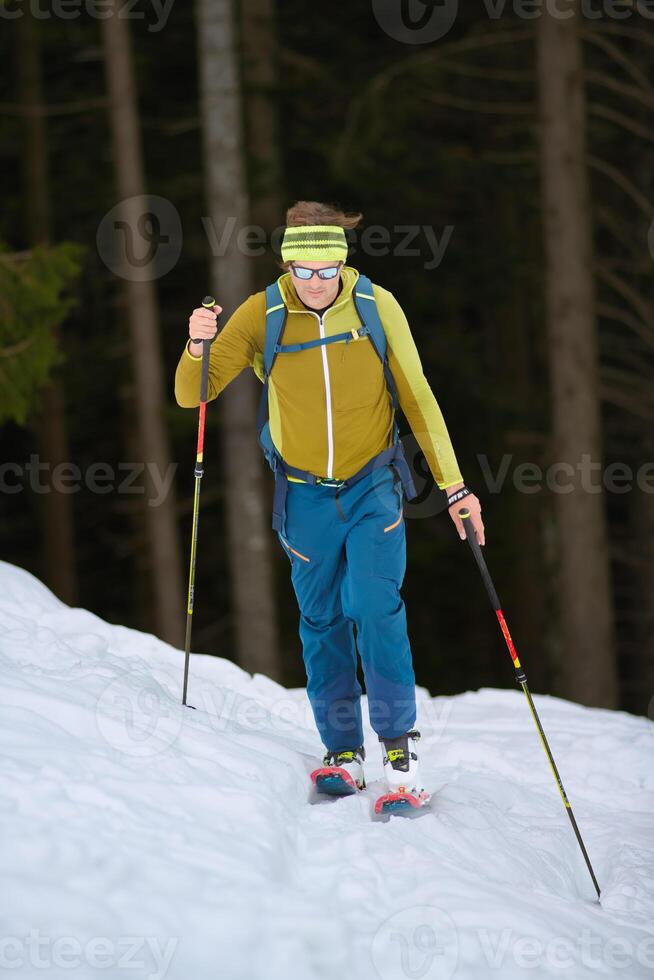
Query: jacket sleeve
x,y
415,396
237,346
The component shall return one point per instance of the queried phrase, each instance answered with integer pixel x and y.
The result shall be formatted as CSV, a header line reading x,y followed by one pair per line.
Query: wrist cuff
x,y
453,498
194,357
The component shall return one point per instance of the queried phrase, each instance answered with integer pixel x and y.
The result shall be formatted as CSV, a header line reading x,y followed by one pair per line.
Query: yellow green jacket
x,y
330,410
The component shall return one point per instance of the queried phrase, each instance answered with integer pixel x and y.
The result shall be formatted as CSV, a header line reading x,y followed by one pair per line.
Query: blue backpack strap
x,y
347,336
276,313
366,307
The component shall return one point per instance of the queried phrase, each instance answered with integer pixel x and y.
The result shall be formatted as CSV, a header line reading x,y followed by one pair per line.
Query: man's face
x,y
316,293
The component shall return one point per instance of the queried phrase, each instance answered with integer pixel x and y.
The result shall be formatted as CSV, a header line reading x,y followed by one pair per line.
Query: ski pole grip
x,y
208,302
471,535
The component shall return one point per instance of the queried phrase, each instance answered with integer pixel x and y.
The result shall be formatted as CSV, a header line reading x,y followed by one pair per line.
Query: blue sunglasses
x,y
301,272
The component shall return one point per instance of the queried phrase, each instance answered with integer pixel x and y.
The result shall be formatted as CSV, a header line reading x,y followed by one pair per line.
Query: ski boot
x,y
402,774
341,773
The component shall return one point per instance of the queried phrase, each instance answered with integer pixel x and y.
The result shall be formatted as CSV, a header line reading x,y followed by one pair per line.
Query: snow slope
x,y
144,839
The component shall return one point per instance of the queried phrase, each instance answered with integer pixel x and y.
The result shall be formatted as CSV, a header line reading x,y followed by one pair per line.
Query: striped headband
x,y
314,243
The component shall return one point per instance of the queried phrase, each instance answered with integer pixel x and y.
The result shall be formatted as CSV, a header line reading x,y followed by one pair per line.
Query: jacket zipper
x,y
328,401
328,390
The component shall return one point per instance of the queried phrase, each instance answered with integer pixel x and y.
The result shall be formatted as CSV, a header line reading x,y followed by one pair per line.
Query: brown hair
x,y
315,213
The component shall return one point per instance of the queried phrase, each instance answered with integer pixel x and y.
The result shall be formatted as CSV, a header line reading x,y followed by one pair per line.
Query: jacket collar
x,y
295,305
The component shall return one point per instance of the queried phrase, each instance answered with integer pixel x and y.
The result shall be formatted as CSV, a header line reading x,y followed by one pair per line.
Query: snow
x,y
144,839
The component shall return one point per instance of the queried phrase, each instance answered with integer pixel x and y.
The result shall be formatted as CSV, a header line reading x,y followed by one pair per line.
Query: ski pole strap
x,y
457,495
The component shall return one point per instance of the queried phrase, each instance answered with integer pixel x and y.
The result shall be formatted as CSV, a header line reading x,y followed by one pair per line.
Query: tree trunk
x,y
248,512
56,508
588,667
527,594
639,696
164,552
264,157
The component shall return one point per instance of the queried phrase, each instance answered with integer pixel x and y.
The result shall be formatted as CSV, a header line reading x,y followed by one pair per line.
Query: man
x,y
330,388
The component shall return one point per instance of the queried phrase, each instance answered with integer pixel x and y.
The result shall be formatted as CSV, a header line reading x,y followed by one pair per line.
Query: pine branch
x,y
635,34
376,87
619,57
624,184
496,74
632,92
48,111
603,112
473,105
619,315
628,402
17,348
641,306
622,231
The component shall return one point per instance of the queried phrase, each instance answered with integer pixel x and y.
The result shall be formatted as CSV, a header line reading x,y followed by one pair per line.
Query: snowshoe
x,y
341,773
405,792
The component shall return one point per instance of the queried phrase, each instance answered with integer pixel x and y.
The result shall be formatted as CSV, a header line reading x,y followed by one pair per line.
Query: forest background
x,y
503,158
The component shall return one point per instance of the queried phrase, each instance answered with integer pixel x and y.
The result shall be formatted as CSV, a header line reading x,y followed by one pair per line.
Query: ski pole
x,y
521,678
208,302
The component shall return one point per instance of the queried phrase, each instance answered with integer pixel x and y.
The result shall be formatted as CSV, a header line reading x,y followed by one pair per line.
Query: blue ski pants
x,y
347,550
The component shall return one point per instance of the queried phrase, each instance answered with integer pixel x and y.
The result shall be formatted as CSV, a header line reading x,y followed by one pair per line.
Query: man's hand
x,y
202,326
472,504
